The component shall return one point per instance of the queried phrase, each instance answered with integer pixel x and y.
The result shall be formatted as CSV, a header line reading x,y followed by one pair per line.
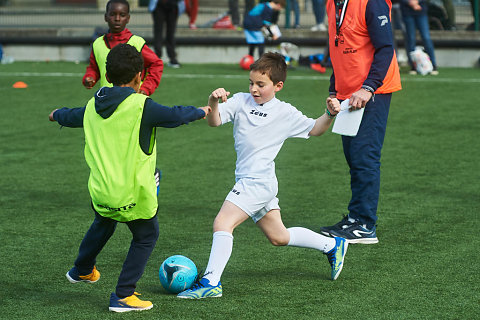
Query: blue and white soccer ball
x,y
177,273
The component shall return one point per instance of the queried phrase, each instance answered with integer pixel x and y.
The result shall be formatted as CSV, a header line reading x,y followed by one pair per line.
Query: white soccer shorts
x,y
255,196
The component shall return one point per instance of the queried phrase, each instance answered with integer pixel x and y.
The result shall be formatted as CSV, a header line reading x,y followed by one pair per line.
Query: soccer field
x,y
426,265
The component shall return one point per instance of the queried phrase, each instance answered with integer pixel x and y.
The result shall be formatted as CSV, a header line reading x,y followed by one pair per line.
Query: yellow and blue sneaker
x,y
202,289
130,303
336,256
73,276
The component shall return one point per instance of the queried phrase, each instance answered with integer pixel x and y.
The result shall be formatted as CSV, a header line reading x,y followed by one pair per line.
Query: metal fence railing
x,y
85,13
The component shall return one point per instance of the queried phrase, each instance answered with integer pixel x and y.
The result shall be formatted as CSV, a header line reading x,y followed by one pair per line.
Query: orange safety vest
x,y
352,58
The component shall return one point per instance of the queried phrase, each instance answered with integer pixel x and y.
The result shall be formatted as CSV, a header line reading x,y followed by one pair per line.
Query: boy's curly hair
x,y
123,63
273,65
125,2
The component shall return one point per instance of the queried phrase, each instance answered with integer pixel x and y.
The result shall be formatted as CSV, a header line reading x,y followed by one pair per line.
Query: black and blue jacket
x,y
261,15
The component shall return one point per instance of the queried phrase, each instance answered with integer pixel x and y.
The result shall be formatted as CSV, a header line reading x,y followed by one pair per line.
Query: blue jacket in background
x,y
259,16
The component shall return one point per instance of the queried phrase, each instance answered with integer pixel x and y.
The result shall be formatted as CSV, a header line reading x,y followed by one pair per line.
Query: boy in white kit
x,y
261,124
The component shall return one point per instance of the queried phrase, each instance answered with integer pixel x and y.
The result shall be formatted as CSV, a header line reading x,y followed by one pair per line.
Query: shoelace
x,y
197,284
344,221
330,256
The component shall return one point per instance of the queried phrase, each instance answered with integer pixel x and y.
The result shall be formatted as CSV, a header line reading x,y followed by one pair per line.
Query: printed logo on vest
x,y
124,208
349,50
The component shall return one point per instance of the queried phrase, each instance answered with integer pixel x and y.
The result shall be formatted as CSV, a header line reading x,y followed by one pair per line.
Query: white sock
x,y
306,238
222,245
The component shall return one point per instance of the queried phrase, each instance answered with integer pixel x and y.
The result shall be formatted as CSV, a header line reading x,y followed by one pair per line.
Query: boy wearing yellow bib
x,y
120,150
117,16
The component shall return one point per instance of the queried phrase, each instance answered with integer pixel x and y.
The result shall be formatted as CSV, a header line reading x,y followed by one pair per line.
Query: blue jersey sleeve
x,y
377,16
67,117
157,115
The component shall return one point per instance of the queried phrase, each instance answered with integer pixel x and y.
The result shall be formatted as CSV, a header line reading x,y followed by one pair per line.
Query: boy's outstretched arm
x,y
324,122
50,116
68,117
206,109
157,115
213,117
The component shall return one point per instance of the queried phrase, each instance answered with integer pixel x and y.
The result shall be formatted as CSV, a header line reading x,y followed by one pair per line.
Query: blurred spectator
x,y
293,5
437,17
474,3
165,12
262,15
397,24
191,7
319,13
234,13
275,14
450,9
415,16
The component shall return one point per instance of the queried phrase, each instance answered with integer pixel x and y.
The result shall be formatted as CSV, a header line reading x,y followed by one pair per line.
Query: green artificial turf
x,y
426,265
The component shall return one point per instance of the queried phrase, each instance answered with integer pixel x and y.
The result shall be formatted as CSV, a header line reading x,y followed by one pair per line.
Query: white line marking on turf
x,y
236,76
40,74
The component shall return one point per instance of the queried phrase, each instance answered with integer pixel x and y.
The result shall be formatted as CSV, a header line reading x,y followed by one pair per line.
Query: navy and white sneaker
x,y
354,232
327,231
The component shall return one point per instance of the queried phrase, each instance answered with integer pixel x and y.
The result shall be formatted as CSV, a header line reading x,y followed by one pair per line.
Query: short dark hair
x,y
283,3
123,63
125,2
273,65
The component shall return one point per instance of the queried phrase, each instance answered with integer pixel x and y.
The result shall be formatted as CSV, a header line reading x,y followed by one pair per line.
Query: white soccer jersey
x,y
260,131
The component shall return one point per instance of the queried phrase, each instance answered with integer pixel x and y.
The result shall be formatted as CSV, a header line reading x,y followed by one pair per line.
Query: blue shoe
x,y
202,289
130,303
357,233
336,256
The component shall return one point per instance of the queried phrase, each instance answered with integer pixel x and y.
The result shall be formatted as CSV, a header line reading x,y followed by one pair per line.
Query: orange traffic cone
x,y
20,85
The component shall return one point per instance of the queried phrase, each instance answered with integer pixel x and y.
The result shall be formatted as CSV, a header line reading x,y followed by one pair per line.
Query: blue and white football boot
x,y
202,289
336,256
